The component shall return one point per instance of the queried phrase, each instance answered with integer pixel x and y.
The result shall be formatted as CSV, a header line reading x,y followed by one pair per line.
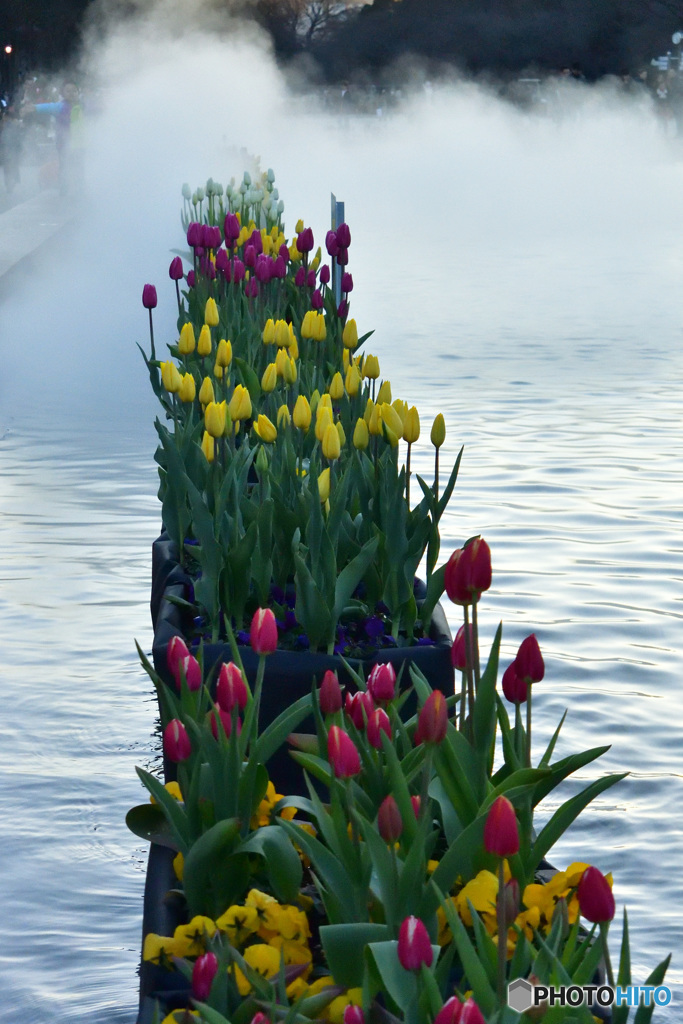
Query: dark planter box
x,y
162,913
288,674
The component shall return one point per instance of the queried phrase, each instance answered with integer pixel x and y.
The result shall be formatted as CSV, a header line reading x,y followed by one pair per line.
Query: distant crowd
x,y
43,126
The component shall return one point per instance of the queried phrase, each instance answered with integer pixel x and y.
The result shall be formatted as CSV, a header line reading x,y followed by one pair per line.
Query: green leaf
x,y
475,971
352,574
484,714
284,864
209,870
644,1013
624,979
149,822
175,814
344,947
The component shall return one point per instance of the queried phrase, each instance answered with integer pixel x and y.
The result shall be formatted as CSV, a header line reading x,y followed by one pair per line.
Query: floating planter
x,y
346,827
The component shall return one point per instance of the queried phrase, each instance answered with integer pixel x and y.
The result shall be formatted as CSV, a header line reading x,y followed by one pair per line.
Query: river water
x,y
547,328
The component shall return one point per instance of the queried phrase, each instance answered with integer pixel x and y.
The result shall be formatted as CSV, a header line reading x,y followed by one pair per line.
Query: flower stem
x,y
528,727
604,929
502,932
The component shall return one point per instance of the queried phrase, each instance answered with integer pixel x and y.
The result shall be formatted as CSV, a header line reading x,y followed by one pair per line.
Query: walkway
x,y
27,225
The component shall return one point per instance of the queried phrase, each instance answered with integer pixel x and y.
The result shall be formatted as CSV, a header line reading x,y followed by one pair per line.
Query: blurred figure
x,y
11,138
69,136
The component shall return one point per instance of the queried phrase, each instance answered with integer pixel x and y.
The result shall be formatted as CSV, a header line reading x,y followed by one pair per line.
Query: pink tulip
x,y
231,690
414,947
514,688
389,821
450,1012
382,682
501,835
378,723
359,706
203,973
432,721
176,742
189,666
176,650
263,632
342,754
175,271
330,695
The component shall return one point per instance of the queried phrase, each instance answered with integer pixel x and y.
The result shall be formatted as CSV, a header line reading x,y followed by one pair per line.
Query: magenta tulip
x,y
231,690
203,973
596,901
432,721
378,723
149,296
175,271
342,753
501,835
330,694
389,821
382,682
414,947
263,632
176,742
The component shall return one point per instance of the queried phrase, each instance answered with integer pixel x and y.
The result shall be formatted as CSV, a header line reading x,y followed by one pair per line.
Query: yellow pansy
x,y
263,959
481,892
191,939
238,923
335,1011
159,949
174,789
179,866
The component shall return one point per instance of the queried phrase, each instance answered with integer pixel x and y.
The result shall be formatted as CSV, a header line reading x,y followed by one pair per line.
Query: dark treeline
x,y
344,41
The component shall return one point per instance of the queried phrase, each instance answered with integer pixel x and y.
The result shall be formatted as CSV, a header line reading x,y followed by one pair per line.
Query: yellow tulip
x,y
336,388
206,393
214,418
269,332
361,437
401,408
208,446
324,485
350,334
269,378
204,343
299,225
294,254
352,380
265,429
411,426
384,393
188,388
319,327
289,371
283,416
170,377
330,442
340,431
369,406
224,353
323,419
293,346
218,371
307,324
280,360
315,398
438,434
315,262
282,336
392,420
371,367
301,416
346,362
375,424
186,342
325,402
240,404
211,312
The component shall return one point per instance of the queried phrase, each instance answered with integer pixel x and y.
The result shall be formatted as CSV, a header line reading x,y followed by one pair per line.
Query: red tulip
x,y
417,805
529,661
389,821
203,973
359,706
514,688
353,1015
596,901
432,722
263,632
378,722
471,1014
177,746
459,649
468,572
193,674
330,695
231,690
149,296
176,650
450,1012
260,1018
226,722
414,947
342,753
501,836
382,682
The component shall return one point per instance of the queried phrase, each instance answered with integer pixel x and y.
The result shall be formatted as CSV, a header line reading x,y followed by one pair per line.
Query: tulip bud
x,y
417,805
342,256
596,901
382,682
375,421
342,309
438,434
206,393
224,353
359,706
301,417
378,722
384,393
189,666
265,429
350,335
191,279
511,901
361,436
529,661
432,721
186,342
188,388
325,274
389,821
471,1014
170,377
414,947
353,380
204,343
336,389
331,243
390,418
289,373
411,426
324,485
203,973
330,695
468,572
283,416
175,652
459,650
211,312
208,447
304,240
149,296
323,420
346,283
450,1012
240,404
330,443
514,688
344,236
353,1014
176,742
225,718
175,271
214,419
231,689
371,367
342,754
501,836
269,378
263,632
340,431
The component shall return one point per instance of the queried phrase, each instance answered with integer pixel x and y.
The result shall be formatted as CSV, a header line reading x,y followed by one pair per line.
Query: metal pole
x,y
336,218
